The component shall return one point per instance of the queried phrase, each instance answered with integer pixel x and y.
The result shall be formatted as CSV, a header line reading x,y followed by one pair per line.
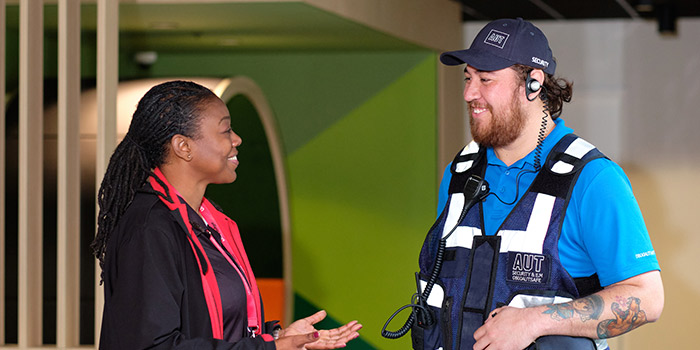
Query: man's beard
x,y
502,129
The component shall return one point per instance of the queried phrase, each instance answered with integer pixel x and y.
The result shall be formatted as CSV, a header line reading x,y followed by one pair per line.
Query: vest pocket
x,y
430,337
454,263
446,323
433,337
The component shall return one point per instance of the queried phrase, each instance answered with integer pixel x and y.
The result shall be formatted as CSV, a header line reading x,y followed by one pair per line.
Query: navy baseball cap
x,y
503,43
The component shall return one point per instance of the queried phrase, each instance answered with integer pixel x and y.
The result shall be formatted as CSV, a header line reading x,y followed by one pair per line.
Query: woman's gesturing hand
x,y
327,339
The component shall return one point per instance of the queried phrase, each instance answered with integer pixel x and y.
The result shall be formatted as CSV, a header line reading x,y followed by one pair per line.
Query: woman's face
x,y
214,153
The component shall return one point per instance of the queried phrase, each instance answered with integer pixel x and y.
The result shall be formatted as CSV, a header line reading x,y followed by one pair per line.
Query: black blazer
x,y
152,284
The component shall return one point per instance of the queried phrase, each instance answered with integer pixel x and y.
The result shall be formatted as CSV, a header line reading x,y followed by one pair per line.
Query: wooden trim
x,y
30,193
68,201
107,81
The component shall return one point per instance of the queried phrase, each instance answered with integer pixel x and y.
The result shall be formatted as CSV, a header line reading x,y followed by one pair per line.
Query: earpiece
x,y
532,85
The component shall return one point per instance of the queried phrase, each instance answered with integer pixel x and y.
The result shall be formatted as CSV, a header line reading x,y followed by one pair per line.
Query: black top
x,y
153,288
231,288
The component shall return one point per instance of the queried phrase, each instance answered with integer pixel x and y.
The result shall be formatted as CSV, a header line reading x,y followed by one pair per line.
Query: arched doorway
x,y
258,199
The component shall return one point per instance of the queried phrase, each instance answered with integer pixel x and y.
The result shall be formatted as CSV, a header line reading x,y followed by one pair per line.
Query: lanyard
x,y
228,254
170,197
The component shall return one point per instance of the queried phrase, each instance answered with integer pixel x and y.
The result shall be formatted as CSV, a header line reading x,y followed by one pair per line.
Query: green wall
x,y
362,197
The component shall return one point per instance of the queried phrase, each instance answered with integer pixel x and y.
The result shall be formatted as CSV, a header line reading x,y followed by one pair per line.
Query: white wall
x,y
637,97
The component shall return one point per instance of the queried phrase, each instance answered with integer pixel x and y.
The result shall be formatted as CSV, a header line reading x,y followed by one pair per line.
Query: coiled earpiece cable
x,y
475,190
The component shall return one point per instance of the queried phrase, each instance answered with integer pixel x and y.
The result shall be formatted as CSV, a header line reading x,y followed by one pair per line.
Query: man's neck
x,y
524,144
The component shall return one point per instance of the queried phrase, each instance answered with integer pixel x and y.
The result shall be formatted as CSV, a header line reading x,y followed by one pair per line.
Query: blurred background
x,y
347,120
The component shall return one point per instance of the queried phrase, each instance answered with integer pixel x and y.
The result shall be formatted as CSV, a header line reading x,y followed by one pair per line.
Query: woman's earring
x,y
189,156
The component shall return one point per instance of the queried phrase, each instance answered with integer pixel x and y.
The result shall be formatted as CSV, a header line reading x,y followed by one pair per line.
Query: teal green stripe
x,y
304,308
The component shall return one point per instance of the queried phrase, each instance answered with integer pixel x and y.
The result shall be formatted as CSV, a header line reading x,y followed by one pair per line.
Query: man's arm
x,y
615,310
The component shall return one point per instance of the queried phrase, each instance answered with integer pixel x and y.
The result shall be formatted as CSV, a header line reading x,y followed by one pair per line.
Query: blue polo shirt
x,y
603,230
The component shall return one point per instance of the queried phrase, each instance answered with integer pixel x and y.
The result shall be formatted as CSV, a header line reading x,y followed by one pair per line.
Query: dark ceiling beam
x,y
628,8
472,13
548,9
486,10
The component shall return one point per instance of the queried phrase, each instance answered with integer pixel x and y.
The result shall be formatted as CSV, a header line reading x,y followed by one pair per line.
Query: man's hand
x,y
507,328
617,309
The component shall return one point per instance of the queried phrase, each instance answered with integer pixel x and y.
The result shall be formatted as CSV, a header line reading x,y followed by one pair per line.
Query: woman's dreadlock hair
x,y
165,110
557,90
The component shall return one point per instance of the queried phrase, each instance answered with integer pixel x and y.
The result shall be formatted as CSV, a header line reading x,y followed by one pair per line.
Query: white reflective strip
x,y
532,240
463,166
601,344
463,237
453,213
579,148
507,238
562,167
524,300
471,148
437,294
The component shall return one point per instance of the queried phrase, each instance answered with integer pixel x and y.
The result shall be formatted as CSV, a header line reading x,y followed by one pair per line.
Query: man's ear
x,y
538,75
181,148
534,83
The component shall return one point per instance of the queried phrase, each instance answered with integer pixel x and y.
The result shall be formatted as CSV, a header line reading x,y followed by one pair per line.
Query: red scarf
x,y
231,240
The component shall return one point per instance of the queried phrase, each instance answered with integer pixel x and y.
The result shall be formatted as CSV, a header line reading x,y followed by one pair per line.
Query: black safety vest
x,y
517,266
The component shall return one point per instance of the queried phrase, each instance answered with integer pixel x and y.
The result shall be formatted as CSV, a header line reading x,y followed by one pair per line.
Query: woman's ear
x,y
180,146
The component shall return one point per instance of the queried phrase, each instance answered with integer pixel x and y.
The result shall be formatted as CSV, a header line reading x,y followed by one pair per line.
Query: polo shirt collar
x,y
560,130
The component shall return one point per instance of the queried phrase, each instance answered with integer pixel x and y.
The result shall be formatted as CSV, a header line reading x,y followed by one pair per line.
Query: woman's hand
x,y
328,339
296,342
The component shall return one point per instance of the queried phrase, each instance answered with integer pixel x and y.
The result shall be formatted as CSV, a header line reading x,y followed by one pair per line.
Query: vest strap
x,y
477,304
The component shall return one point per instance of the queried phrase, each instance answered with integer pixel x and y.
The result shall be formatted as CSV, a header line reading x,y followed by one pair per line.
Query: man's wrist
x,y
540,324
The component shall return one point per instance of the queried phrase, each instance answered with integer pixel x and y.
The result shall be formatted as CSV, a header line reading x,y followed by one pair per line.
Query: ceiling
x,y
227,26
242,26
577,9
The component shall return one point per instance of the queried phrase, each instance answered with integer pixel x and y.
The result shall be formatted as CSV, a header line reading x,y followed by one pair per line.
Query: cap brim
x,y
480,60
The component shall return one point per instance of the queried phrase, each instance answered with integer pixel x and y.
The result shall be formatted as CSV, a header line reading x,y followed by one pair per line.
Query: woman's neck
x,y
190,190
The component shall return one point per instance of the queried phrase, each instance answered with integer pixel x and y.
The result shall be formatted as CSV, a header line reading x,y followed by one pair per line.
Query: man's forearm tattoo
x,y
587,308
625,320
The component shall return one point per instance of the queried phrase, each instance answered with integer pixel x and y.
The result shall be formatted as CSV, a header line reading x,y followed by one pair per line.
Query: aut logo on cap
x,y
496,38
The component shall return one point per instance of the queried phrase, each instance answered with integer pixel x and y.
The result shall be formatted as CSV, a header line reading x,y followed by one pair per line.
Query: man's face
x,y
495,113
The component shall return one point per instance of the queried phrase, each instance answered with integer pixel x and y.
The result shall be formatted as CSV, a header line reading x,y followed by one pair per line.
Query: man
x,y
552,240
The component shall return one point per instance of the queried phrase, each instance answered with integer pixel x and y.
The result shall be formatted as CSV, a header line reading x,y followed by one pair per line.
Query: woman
x,y
175,273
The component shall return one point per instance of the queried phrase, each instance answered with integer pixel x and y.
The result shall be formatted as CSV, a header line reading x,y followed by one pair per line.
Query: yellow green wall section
x,y
362,198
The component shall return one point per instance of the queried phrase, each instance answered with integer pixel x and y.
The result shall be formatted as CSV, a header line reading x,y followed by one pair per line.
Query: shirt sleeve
x,y
604,230
144,309
444,187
